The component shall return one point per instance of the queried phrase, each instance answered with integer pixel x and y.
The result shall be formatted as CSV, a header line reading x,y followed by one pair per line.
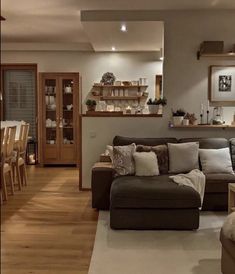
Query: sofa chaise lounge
x,y
156,202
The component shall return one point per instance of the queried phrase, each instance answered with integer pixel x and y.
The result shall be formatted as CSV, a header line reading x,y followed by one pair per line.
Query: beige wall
x,y
185,78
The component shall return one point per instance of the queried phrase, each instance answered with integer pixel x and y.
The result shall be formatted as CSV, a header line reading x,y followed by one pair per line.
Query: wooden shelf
x,y
215,55
204,126
121,86
122,97
116,114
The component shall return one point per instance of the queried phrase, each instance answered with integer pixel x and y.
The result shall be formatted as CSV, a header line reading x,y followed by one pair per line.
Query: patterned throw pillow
x,y
123,160
162,156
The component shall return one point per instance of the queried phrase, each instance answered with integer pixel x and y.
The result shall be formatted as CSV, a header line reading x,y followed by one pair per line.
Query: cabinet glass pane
x,y
67,115
51,107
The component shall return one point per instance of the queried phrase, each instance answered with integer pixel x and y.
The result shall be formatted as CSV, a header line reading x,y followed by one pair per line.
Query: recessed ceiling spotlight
x,y
113,48
161,58
123,28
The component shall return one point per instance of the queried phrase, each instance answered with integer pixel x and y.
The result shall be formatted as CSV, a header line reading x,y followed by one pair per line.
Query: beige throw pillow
x,y
123,159
146,164
216,160
183,157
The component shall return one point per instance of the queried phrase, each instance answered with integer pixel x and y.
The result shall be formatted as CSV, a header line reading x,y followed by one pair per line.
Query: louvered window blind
x,y
20,97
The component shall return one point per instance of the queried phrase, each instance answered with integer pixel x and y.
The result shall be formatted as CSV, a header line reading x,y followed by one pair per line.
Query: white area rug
x,y
158,252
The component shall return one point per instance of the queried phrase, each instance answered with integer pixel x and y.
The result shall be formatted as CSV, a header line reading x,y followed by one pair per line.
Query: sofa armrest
x,y
101,181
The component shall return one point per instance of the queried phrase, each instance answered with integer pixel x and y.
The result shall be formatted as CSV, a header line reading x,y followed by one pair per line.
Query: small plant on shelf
x,y
108,78
162,101
91,105
152,105
178,117
178,113
152,101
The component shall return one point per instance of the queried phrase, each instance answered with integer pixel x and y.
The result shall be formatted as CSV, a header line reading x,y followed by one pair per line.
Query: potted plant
x,y
191,117
91,105
152,105
108,78
178,117
161,102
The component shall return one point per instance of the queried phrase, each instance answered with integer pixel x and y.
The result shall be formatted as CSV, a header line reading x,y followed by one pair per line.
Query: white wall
x,y
185,78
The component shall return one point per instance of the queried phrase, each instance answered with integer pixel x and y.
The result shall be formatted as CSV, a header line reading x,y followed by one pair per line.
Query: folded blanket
x,y
195,179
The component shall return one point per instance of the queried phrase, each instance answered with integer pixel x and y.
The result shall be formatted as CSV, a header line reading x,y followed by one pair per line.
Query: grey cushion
x,y
218,182
183,157
213,143
123,141
152,192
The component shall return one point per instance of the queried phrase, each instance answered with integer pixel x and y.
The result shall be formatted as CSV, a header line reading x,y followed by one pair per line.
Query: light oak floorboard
x,y
49,227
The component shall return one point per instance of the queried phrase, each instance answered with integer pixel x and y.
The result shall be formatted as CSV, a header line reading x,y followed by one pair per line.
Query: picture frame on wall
x,y
222,84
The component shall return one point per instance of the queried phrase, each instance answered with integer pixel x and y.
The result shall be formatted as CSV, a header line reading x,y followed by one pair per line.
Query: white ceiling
x,y
58,21
104,35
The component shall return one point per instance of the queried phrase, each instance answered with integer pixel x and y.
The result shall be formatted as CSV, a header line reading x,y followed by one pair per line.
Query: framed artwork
x,y
222,84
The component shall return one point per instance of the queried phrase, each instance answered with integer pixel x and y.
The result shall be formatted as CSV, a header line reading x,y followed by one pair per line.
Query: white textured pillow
x,y
216,160
229,226
183,157
146,164
109,150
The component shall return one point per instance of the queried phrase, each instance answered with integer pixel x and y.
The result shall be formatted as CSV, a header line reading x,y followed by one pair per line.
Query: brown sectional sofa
x,y
155,202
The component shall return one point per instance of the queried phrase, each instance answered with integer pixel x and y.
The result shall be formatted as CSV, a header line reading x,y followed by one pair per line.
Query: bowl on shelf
x,y
69,107
126,83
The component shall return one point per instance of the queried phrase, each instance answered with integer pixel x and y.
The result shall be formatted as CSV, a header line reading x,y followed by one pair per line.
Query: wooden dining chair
x,y
19,162
2,188
8,154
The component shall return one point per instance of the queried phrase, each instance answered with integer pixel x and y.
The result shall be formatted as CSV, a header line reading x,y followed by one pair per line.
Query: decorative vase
x,y
185,122
178,120
153,109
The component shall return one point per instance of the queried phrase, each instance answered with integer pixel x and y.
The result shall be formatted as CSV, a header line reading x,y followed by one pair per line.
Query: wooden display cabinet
x,y
59,125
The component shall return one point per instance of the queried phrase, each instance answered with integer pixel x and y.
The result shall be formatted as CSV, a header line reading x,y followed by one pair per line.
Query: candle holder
x,y
207,117
201,119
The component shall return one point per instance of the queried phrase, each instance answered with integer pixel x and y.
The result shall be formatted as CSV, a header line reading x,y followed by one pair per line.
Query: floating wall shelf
x,y
204,126
215,55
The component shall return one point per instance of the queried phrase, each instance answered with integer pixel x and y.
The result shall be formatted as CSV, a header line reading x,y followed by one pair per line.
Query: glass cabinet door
x,y
67,117
51,108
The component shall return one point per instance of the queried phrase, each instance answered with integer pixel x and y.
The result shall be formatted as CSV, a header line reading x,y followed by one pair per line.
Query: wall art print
x,y
222,84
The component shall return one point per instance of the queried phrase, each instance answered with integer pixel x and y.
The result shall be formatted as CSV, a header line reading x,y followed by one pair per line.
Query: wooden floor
x,y
49,227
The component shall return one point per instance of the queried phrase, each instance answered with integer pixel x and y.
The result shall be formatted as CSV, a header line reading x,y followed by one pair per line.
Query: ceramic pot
x,y
185,122
91,108
153,109
178,120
